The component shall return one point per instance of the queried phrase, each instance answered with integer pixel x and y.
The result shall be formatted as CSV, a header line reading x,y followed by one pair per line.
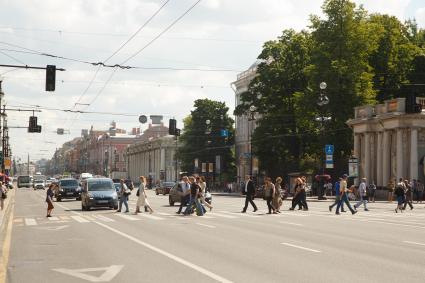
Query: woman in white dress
x,y
142,200
203,185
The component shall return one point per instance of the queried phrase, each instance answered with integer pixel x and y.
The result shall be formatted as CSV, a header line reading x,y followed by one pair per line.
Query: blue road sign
x,y
224,133
329,149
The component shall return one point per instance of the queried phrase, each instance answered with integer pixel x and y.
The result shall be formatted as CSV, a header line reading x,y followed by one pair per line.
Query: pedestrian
x,y
372,190
399,193
297,198
142,197
391,188
203,190
185,193
344,195
304,193
124,193
363,195
420,189
249,190
408,195
337,197
416,192
49,200
194,201
3,192
277,197
269,191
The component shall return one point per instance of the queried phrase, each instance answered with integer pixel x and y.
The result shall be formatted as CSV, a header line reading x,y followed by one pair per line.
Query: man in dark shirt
x,y
250,193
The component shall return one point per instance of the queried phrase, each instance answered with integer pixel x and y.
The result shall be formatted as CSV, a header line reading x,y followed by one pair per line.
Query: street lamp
x,y
321,102
251,117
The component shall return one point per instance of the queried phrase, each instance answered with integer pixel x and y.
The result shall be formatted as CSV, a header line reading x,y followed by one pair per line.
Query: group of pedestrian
x,y
300,196
193,191
142,199
404,193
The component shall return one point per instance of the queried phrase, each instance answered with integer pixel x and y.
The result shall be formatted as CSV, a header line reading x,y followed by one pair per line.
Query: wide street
x,y
223,246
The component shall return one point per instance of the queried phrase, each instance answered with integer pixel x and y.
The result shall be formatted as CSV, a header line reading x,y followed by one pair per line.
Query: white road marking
x,y
290,223
302,248
109,273
30,222
295,214
414,243
54,228
238,213
224,215
205,225
53,218
169,255
127,217
104,219
150,216
79,219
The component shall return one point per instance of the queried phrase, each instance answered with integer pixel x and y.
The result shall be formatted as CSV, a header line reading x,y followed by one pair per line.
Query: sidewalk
x,y
7,206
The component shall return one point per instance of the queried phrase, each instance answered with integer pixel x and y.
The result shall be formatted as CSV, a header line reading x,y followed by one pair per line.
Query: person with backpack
x,y
141,197
124,193
337,197
399,193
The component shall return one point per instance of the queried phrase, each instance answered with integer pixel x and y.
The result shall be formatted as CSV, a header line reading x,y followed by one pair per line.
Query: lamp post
x,y
321,102
251,118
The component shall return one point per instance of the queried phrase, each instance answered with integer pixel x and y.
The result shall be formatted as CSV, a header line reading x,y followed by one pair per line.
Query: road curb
x,y
7,207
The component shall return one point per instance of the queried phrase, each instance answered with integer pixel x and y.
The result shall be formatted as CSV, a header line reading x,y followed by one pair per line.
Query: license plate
x,y
70,194
102,201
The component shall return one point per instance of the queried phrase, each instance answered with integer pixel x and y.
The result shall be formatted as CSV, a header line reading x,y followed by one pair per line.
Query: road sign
x,y
143,119
7,163
224,133
329,157
329,149
329,165
353,167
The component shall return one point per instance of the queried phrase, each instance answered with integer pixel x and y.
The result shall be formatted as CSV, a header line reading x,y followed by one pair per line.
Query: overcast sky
x,y
216,34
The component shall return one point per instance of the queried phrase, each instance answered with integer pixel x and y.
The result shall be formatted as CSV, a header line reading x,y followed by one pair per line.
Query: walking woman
x,y
49,199
203,190
391,188
296,200
142,198
124,193
269,191
277,197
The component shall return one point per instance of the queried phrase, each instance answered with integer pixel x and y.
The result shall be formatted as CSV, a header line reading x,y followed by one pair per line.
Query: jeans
x,y
123,199
183,202
337,200
248,199
362,200
269,203
344,198
418,195
194,201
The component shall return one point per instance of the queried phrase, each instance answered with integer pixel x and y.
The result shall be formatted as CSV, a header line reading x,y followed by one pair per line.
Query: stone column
x,y
399,154
357,145
413,154
367,157
379,177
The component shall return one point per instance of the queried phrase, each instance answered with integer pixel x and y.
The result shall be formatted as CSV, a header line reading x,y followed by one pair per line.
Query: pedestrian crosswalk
x,y
297,218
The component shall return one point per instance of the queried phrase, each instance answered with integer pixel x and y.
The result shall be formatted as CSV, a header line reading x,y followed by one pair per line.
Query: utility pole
x,y
28,164
1,97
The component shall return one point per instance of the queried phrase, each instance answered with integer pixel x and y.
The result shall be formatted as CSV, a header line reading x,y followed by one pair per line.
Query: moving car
x,y
175,194
164,188
68,188
24,181
98,192
39,184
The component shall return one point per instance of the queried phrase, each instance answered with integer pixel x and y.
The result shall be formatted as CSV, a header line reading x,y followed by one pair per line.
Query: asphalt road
x,y
223,246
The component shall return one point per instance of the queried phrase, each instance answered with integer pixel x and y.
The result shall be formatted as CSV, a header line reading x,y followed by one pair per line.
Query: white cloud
x,y
420,17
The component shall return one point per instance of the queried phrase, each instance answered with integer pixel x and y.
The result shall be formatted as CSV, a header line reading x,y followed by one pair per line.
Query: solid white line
x,y
169,255
103,218
290,223
302,248
79,219
149,216
238,214
127,217
223,215
206,225
414,243
30,222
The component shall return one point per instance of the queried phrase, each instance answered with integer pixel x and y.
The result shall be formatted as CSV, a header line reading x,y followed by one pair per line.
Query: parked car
x,y
117,188
175,194
164,188
98,192
24,182
39,184
68,188
260,192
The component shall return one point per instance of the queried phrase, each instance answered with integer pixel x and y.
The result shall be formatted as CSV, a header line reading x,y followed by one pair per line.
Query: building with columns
x,y
388,142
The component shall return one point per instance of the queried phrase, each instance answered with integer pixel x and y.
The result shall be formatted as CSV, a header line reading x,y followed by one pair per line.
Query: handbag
x,y
3,195
138,192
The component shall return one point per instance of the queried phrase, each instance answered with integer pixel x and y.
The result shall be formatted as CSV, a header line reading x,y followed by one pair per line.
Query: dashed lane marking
x,y
224,215
414,243
291,223
301,248
79,219
53,218
104,218
30,222
127,217
205,225
150,216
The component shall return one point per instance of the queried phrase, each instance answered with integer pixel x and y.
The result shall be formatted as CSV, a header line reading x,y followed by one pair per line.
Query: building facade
x,y
153,158
388,142
244,128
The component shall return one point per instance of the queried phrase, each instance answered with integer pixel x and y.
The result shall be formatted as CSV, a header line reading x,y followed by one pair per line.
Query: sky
x,y
221,35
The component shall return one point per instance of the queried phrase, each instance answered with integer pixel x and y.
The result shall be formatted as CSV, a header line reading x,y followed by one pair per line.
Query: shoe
x,y
355,208
354,212
255,209
48,216
366,209
337,213
411,208
211,208
291,208
305,209
268,213
396,211
274,212
330,208
151,212
243,211
117,211
126,211
343,211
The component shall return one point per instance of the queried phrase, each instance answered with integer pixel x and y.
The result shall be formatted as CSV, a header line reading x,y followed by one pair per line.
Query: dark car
x,y
175,194
164,188
68,188
98,192
260,192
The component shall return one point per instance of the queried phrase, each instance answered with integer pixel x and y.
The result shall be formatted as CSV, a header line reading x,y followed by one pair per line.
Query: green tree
x,y
203,141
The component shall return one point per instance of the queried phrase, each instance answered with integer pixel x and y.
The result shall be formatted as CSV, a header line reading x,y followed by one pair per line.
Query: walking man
x,y
250,193
408,193
344,195
363,197
185,193
337,197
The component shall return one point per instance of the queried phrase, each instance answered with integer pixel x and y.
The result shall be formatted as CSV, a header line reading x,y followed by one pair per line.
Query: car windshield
x,y
69,183
25,179
100,185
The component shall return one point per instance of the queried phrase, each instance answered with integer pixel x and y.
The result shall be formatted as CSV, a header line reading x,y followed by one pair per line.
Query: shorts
x,y
50,205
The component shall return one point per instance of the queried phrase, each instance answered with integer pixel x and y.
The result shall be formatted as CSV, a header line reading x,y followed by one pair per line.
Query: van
x,y
24,182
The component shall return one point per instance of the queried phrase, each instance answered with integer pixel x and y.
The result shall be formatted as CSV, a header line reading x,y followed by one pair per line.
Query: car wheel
x,y
87,208
115,207
58,199
78,198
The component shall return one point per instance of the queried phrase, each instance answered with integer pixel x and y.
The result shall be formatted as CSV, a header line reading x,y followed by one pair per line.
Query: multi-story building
x,y
246,163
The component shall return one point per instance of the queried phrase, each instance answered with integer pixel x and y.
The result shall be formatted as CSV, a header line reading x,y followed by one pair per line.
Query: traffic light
x,y
172,124
50,77
33,127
